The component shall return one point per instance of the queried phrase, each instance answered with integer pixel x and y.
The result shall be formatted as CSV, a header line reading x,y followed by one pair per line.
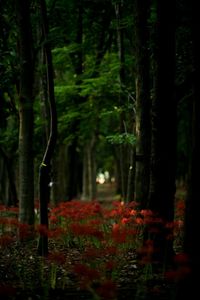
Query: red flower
x,y
25,231
181,258
53,219
6,240
109,265
125,220
179,274
86,274
57,258
42,229
146,252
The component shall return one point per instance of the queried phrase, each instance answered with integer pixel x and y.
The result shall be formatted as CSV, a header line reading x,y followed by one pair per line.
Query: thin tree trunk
x,y
45,167
89,171
123,154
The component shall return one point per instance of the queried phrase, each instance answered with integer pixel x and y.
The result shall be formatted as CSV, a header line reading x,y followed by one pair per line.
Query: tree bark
x,y
26,171
189,286
89,171
142,102
163,125
45,167
124,153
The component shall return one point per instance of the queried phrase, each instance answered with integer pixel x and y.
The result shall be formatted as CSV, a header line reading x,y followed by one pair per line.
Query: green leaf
x,y
123,138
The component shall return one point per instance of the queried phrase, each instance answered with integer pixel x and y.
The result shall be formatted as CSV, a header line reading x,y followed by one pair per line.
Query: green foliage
x,y
123,138
86,103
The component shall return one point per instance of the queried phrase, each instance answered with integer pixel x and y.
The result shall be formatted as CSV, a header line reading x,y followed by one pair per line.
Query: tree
x,y
45,167
163,124
189,285
123,152
142,126
26,177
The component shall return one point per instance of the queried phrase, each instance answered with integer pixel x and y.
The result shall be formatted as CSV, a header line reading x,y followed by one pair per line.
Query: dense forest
x,y
110,88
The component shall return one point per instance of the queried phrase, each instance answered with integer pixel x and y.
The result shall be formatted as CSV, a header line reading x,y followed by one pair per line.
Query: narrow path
x,y
106,192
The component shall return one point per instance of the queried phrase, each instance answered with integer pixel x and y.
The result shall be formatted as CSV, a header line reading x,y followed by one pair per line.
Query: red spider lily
x,y
77,210
97,209
113,213
181,258
139,221
6,240
13,221
53,219
57,258
153,229
119,234
179,274
109,250
119,208
133,212
180,208
25,231
42,229
146,213
37,204
110,265
182,268
13,209
56,232
146,252
86,230
175,228
107,290
86,274
170,225
148,220
116,227
133,204
95,222
125,220
93,252
3,207
4,221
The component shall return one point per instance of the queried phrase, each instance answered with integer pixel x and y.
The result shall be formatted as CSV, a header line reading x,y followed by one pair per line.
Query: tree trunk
x,y
189,286
163,124
89,171
45,167
142,102
124,157
26,171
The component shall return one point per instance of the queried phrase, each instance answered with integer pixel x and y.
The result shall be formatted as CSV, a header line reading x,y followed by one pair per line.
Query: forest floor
x,y
20,278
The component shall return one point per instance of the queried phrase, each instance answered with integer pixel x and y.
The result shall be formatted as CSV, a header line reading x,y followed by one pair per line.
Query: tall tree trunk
x,y
123,149
73,167
26,171
163,123
142,102
89,171
189,286
45,167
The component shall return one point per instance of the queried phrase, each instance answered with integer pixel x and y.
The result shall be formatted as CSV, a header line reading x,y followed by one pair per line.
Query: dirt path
x,y
106,192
